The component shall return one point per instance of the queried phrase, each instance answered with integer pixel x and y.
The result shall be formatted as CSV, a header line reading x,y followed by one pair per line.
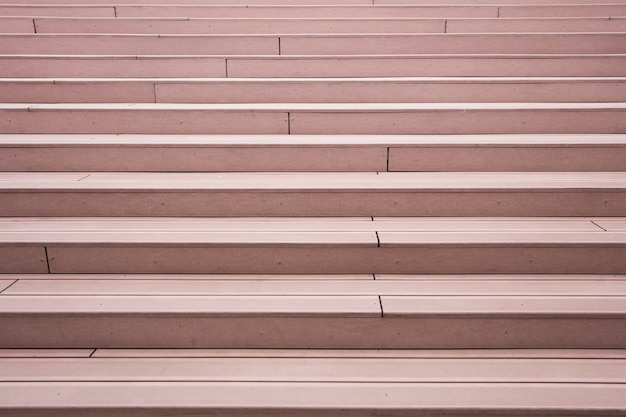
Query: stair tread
x,y
460,354
328,353
12,140
315,369
317,107
325,140
302,306
312,25
384,181
239,397
321,285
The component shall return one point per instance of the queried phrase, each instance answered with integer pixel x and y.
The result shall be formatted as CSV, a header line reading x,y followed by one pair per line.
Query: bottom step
x,y
315,383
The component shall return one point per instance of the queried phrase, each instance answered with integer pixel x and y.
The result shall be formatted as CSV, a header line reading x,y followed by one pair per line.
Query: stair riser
x,y
490,11
114,67
613,43
203,159
511,158
313,158
471,202
466,259
234,26
470,121
295,26
190,331
424,66
73,11
311,91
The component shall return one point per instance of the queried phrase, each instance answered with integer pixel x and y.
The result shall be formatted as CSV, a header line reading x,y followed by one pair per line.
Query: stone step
x,y
314,369
307,25
309,399
335,44
409,313
338,153
313,90
125,66
320,11
313,194
313,118
312,246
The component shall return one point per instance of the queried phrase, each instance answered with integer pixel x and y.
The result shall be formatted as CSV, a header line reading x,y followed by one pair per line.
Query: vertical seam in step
x,y
10,285
388,158
45,248
34,26
498,12
154,91
289,123
598,225
374,277
93,353
279,46
445,26
377,239
380,302
114,11
226,66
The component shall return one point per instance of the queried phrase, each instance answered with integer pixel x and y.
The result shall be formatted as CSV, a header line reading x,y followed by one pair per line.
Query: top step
x,y
281,11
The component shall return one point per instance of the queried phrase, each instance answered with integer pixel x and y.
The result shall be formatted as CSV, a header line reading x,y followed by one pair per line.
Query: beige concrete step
x,y
313,194
313,90
237,25
313,118
336,44
125,66
58,10
338,153
311,246
304,399
325,11
434,312
314,369
597,10
309,25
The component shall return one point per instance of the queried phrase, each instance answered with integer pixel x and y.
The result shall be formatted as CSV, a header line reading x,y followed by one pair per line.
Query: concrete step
x,y
406,10
314,118
310,399
318,369
409,313
338,153
335,44
319,11
125,66
313,246
313,194
314,90
308,25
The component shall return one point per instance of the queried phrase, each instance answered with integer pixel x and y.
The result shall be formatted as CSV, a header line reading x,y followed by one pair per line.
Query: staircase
x,y
313,208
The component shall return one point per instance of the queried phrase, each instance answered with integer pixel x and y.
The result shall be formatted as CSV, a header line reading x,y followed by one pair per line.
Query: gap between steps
x,y
388,150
